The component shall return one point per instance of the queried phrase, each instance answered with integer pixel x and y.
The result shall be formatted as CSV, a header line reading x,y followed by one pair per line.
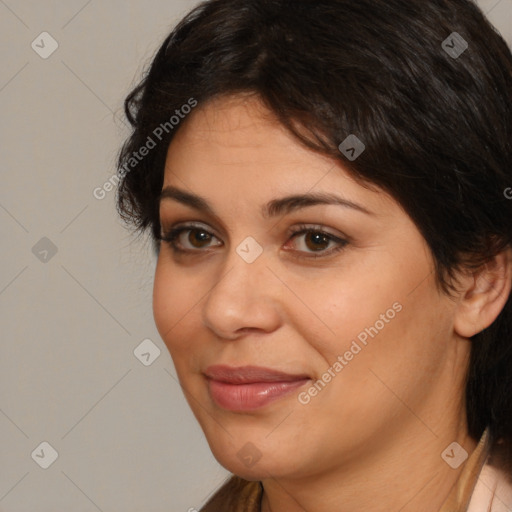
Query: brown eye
x,y
198,237
308,240
317,241
188,239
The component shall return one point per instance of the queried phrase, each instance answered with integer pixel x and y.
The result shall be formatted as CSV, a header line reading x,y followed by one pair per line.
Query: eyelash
x,y
169,237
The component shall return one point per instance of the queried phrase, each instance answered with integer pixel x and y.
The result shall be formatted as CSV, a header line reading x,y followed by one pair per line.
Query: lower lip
x,y
248,397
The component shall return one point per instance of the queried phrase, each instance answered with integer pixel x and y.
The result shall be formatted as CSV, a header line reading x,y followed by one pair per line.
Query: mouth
x,y
249,388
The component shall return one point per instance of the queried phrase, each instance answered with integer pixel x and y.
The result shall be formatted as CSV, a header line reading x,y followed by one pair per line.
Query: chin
x,y
255,461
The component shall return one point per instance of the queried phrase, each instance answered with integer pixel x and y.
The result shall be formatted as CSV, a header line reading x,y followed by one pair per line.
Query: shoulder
x,y
493,488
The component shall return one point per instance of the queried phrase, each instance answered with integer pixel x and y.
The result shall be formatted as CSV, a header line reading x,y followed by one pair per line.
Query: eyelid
x,y
305,227
170,235
189,225
176,230
294,230
340,241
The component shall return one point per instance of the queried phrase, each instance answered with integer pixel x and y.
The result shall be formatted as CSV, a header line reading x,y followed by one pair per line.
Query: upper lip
x,y
249,374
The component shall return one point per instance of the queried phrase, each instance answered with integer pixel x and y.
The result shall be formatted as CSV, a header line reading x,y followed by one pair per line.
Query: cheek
x,y
344,306
388,339
384,311
164,300
175,297
384,365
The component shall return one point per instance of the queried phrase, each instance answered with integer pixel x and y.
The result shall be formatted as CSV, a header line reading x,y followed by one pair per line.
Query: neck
x,y
407,474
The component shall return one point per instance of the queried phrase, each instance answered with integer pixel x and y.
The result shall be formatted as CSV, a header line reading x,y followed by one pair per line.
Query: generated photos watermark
x,y
355,348
151,142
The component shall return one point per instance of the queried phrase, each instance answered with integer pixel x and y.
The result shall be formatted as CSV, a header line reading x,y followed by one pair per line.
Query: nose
x,y
244,298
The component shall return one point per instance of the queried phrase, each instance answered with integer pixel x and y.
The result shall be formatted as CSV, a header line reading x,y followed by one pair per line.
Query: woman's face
x,y
342,295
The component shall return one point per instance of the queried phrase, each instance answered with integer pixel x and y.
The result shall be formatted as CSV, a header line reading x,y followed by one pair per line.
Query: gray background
x,y
70,321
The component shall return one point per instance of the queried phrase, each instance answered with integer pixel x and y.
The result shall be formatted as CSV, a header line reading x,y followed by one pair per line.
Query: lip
x,y
246,388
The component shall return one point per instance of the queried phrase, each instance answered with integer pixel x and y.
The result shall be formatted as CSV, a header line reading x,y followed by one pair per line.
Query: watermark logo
x,y
249,454
508,193
44,455
454,455
352,147
44,45
147,352
249,250
455,45
44,250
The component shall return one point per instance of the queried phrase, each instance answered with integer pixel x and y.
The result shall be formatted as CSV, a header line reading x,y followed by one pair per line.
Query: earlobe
x,y
484,294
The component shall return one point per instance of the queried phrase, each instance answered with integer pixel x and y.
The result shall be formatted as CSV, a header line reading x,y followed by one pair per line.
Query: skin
x,y
372,438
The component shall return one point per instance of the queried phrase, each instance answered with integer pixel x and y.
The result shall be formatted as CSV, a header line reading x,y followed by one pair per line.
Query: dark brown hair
x,y
434,114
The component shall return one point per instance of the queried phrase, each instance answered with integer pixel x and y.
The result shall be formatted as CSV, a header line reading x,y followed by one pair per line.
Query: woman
x,y
326,185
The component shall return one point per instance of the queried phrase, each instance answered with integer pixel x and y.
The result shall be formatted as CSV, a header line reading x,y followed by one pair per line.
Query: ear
x,y
484,293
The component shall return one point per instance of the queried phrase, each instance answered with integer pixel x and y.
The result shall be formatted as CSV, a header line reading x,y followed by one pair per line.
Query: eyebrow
x,y
273,208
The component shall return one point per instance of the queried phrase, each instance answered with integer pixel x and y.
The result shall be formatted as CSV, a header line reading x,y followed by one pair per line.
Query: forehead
x,y
234,147
238,127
